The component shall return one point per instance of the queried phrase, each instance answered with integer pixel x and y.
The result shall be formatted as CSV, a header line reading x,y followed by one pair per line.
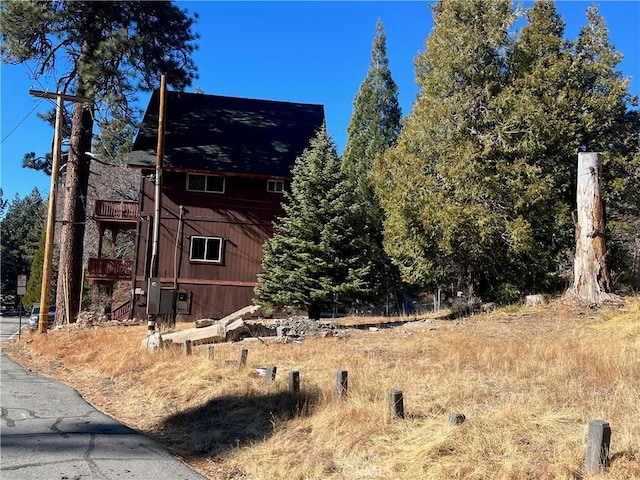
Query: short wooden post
x,y
457,419
209,352
342,383
294,382
598,445
242,357
186,347
396,403
270,374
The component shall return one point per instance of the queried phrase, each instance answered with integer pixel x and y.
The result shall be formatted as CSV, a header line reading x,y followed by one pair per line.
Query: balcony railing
x,y
116,210
109,269
121,312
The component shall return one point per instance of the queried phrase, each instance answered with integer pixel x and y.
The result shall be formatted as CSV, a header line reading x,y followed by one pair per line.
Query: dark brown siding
x,y
242,216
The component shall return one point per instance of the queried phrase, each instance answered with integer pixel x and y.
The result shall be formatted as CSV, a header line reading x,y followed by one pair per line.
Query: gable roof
x,y
226,134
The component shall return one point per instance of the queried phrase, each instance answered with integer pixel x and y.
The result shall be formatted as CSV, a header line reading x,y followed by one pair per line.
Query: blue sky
x,y
315,52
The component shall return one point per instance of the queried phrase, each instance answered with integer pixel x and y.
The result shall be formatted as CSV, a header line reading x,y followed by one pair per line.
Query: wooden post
x,y
598,442
294,382
157,200
396,403
591,280
209,352
47,266
186,348
270,374
457,419
342,383
242,357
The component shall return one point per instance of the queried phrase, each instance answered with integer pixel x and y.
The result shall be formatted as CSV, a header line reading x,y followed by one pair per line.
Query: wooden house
x,y
226,163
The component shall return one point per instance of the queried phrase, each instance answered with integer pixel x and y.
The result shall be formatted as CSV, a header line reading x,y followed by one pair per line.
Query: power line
x,y
22,121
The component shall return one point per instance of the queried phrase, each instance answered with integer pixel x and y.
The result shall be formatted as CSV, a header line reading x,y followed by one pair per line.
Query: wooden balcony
x,y
108,270
120,213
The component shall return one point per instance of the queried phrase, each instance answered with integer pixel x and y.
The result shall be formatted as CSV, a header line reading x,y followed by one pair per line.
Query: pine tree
x,y
315,261
34,281
20,230
106,51
374,126
375,120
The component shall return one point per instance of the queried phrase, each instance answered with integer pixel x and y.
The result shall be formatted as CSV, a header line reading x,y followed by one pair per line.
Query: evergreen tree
x,y
446,223
19,235
375,120
374,127
537,132
105,51
609,125
34,282
479,189
315,260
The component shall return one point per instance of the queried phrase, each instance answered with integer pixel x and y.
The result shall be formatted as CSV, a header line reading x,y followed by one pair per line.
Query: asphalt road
x,y
48,432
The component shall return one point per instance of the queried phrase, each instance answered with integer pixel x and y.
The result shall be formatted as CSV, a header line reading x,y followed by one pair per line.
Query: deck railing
x,y
109,269
121,312
116,209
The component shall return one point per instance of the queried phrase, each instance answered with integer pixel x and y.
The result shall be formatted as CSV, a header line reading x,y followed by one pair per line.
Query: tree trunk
x,y
591,280
74,214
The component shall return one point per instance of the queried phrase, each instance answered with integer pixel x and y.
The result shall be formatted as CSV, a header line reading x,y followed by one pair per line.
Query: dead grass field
x,y
529,380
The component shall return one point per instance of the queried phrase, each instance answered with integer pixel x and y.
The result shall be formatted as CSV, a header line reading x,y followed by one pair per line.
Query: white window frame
x,y
206,246
189,175
272,184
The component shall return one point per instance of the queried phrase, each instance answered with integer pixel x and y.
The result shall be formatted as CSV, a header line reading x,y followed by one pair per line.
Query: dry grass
x,y
528,380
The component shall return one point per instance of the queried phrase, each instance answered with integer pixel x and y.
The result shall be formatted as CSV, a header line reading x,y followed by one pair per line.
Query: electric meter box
x,y
154,290
160,301
183,303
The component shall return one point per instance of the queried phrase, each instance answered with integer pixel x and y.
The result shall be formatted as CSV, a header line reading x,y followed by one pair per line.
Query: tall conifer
x,y
373,128
107,52
315,261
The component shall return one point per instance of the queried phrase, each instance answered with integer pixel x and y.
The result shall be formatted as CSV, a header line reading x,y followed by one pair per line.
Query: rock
x,y
204,322
533,300
236,331
488,307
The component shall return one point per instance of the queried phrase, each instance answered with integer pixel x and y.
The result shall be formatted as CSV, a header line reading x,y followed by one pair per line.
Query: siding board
x,y
242,216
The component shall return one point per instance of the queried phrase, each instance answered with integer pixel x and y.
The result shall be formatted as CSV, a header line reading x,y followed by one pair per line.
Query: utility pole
x,y
151,321
51,213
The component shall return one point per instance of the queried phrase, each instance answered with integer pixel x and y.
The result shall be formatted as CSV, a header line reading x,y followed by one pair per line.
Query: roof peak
x,y
230,97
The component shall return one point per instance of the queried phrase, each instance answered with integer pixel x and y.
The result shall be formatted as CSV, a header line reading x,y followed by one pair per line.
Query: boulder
x,y
237,330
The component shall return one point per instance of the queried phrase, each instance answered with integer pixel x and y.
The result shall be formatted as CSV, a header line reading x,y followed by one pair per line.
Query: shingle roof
x,y
226,134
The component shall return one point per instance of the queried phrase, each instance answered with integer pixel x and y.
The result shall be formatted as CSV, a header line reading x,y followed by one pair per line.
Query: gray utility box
x,y
160,301
183,303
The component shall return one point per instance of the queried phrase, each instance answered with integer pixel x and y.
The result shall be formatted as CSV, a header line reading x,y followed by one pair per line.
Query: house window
x,y
275,186
205,183
206,249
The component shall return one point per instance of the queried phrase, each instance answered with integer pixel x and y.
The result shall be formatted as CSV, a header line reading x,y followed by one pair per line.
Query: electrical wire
x,y
21,121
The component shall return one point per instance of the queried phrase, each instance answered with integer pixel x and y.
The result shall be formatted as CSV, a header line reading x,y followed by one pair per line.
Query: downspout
x,y
136,258
175,251
145,273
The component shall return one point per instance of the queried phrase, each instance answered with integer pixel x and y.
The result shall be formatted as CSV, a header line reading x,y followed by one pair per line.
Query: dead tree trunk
x,y
591,280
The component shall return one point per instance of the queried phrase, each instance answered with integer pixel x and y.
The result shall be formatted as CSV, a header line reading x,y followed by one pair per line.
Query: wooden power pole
x,y
45,289
162,108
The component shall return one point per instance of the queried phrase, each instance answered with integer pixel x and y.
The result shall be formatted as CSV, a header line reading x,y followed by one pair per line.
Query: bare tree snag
x,y
591,280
